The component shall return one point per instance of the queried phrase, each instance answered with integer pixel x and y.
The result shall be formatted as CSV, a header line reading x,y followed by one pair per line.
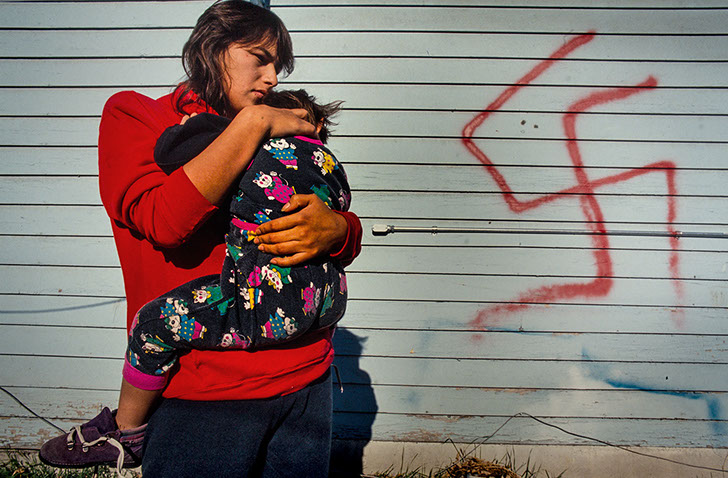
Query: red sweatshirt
x,y
167,234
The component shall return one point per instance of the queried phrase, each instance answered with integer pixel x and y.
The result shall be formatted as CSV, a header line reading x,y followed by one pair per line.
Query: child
x,y
251,304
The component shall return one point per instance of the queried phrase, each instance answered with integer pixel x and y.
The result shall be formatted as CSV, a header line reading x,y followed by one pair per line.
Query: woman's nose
x,y
270,77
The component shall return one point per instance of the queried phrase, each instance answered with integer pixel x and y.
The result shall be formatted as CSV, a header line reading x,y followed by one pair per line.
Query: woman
x,y
233,413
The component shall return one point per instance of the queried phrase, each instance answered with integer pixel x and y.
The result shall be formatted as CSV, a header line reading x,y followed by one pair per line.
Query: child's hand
x,y
186,117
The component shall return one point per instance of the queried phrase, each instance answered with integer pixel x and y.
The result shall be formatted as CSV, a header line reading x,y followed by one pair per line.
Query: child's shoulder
x,y
179,143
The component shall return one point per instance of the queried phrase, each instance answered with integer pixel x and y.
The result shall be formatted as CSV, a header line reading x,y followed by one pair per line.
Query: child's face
x,y
250,72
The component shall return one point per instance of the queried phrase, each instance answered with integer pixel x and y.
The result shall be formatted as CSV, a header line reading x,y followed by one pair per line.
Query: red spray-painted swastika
x,y
585,187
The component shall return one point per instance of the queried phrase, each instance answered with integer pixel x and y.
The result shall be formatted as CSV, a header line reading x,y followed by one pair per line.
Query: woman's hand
x,y
279,122
311,231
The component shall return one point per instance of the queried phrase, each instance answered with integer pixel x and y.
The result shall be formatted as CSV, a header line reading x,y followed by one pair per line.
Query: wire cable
x,y
597,440
31,411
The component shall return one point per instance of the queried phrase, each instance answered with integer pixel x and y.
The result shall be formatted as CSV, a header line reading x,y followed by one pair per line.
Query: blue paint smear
x,y
600,371
412,398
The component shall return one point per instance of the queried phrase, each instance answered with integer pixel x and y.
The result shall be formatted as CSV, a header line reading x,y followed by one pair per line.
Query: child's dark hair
x,y
317,114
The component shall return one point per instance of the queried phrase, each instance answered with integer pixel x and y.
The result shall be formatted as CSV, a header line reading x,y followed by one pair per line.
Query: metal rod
x,y
383,230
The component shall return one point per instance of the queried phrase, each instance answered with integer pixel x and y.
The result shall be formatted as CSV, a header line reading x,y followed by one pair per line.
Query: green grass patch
x,y
21,464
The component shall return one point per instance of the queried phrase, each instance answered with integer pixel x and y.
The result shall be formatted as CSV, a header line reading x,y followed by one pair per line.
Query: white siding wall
x,y
623,336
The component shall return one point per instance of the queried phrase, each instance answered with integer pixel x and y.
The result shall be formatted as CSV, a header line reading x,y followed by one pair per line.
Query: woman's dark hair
x,y
228,22
317,114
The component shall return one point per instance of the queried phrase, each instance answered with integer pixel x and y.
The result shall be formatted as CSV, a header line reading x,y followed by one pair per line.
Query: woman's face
x,y
250,72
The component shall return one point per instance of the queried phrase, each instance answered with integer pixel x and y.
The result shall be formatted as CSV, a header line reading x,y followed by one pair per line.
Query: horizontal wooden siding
x,y
596,117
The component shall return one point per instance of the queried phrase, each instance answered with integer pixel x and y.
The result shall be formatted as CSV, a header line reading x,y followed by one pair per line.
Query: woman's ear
x,y
319,126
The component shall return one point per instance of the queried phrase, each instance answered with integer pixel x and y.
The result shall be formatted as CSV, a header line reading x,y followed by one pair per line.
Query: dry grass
x,y
478,467
466,465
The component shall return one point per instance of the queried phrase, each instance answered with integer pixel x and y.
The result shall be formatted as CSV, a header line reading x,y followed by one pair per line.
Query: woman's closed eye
x,y
263,56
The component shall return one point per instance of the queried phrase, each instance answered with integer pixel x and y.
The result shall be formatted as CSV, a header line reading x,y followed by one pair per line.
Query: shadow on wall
x,y
354,409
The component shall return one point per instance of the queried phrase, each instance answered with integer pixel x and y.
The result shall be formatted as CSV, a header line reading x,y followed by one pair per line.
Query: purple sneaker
x,y
98,442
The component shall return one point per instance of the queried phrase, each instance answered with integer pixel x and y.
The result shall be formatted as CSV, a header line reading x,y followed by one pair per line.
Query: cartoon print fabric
x,y
252,303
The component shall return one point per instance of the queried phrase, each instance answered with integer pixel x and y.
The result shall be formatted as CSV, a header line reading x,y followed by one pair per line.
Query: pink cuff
x,y
142,380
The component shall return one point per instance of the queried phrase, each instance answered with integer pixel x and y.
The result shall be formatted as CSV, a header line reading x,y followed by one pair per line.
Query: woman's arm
x,y
352,242
167,210
312,229
215,170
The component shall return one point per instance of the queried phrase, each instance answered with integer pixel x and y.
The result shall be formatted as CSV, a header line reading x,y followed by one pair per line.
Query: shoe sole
x,y
111,464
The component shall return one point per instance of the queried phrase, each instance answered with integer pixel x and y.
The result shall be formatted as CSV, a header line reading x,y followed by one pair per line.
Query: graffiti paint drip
x,y
585,187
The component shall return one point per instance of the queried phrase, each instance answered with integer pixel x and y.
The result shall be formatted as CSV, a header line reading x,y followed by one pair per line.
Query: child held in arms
x,y
253,302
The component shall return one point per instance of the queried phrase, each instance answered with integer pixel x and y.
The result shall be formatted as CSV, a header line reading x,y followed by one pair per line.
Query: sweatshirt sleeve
x,y
166,210
352,243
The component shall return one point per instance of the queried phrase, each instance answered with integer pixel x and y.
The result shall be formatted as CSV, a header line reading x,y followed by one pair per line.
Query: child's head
x,y
318,115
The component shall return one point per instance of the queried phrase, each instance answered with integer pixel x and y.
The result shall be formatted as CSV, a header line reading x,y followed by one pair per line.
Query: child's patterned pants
x,y
251,304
